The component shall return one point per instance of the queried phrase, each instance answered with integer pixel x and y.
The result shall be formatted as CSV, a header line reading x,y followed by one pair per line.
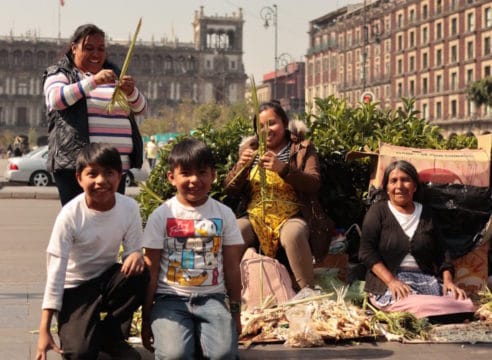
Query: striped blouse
x,y
113,128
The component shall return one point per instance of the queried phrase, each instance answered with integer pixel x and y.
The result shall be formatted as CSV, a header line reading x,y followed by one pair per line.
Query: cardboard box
x,y
466,166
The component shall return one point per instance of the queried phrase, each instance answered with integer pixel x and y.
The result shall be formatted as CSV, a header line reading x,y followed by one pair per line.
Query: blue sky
x,y
160,18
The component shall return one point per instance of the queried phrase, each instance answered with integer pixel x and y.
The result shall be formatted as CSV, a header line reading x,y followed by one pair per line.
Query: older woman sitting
x,y
404,253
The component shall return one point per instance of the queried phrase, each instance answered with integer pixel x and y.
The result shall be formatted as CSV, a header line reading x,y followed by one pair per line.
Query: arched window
x,y
41,59
27,59
158,64
17,58
168,64
4,58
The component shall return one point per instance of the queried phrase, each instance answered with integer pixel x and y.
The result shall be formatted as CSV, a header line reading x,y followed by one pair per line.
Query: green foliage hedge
x,y
336,129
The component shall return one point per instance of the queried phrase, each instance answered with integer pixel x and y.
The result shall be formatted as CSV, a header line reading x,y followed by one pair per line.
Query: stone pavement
x,y
26,218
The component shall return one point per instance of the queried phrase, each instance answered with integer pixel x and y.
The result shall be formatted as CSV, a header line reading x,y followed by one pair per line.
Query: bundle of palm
x,y
119,96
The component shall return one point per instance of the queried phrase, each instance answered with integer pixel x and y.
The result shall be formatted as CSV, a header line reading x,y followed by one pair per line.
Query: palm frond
x,y
119,96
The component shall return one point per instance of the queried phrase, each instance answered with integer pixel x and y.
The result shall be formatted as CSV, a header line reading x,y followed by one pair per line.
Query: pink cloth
x,y
431,305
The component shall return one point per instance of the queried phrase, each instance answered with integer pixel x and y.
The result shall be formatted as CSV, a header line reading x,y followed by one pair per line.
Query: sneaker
x,y
120,350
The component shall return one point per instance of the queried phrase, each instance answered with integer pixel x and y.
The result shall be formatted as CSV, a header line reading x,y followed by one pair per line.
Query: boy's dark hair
x,y
191,153
101,154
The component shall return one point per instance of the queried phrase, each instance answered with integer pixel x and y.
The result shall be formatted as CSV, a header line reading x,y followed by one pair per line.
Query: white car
x,y
134,175
30,168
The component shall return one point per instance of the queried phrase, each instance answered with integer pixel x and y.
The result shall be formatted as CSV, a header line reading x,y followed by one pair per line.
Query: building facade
x,y
209,69
289,82
429,50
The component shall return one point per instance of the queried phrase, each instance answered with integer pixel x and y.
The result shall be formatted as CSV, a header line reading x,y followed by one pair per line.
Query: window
x,y
439,57
438,6
454,81
470,22
424,111
486,46
400,42
412,63
425,35
454,4
412,88
454,53
469,109
438,109
469,50
488,17
412,39
454,108
400,66
438,83
411,15
400,21
387,46
425,60
400,90
454,26
424,11
486,71
438,31
469,75
424,86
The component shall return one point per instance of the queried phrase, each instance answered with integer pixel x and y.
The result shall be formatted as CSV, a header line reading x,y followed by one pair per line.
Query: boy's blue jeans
x,y
185,327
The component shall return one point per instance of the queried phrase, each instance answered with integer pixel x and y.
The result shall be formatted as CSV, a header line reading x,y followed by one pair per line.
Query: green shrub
x,y
336,129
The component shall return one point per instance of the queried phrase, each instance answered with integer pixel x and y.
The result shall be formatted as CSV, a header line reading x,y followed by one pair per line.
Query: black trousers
x,y
68,186
98,312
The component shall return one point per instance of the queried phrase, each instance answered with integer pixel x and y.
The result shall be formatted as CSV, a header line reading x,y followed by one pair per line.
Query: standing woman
x,y
77,92
404,253
293,217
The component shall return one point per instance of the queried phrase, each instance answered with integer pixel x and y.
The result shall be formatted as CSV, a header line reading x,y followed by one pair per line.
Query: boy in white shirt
x,y
84,277
193,247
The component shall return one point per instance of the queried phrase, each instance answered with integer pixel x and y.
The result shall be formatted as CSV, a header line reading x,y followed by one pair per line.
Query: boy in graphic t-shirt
x,y
193,248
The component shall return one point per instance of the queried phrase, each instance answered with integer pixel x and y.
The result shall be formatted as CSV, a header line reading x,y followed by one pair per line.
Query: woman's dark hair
x,y
80,34
404,166
100,154
279,111
191,153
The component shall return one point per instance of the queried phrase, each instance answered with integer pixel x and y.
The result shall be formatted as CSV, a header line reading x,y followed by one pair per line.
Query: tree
x,y
480,91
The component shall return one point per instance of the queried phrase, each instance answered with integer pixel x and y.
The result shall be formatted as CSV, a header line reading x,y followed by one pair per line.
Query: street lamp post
x,y
284,60
270,14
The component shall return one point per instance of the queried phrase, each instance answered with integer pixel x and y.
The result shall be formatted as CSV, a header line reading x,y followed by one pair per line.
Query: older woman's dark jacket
x,y
383,240
68,129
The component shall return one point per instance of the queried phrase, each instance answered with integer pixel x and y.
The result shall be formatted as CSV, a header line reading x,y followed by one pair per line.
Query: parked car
x,y
30,168
134,176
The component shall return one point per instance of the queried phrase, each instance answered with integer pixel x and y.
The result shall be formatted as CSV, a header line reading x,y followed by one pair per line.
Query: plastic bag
x,y
301,332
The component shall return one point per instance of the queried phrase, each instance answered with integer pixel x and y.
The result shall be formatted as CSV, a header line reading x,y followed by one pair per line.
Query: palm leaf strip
x,y
119,96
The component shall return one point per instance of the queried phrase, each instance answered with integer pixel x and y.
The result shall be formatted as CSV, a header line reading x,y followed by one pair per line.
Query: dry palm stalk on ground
x,y
330,319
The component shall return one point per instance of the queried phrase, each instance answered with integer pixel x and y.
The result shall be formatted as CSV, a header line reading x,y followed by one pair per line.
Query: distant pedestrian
x,y
84,277
151,150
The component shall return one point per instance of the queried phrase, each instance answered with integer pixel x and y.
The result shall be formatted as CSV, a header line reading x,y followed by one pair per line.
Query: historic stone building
x,y
208,69
429,50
